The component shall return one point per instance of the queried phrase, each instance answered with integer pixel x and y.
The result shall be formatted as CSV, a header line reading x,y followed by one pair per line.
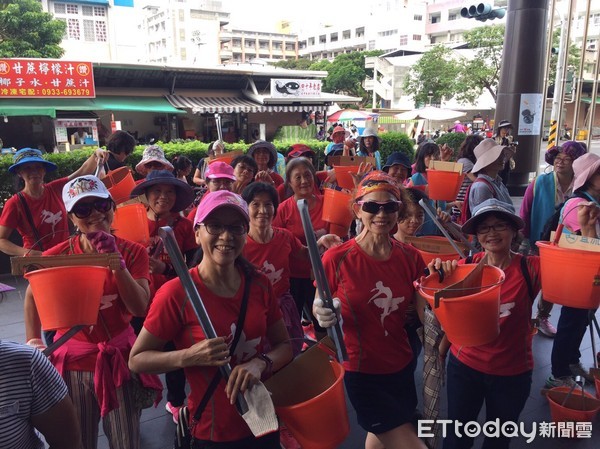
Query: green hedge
x,y
453,140
69,162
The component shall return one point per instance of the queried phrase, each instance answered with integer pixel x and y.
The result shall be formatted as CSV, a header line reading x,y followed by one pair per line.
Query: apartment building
x,y
97,30
241,46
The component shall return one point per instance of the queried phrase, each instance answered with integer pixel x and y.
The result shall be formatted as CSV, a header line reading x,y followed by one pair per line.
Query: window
x,y
595,19
388,33
435,18
403,39
333,37
182,35
371,45
416,37
451,16
346,34
322,39
418,17
183,54
311,41
84,23
360,32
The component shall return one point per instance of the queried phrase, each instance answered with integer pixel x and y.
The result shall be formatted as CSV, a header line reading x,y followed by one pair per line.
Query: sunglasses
x,y
373,207
218,229
84,210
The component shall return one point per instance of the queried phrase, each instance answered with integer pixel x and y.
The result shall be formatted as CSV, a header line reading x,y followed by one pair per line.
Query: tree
x,y
482,71
26,31
572,60
295,64
436,72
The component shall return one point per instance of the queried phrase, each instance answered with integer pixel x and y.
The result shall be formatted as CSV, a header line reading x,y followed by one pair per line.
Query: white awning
x,y
235,103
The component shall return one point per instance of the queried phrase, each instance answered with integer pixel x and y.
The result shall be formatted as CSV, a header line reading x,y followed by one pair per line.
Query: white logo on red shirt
x,y
245,349
51,218
383,299
106,301
505,309
269,270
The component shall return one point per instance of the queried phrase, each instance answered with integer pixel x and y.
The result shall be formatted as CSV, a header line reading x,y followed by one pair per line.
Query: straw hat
x,y
487,152
585,167
495,206
152,153
267,146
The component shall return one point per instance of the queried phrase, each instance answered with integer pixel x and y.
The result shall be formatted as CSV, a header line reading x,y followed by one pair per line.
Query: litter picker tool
x,y
334,332
255,405
219,128
433,215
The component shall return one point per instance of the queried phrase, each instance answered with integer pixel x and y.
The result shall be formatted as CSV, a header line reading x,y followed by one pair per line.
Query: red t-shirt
x,y
288,217
276,177
282,192
273,258
510,353
48,213
374,296
113,314
184,234
172,318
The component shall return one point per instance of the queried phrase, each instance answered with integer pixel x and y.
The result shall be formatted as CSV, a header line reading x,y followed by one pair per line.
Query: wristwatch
x,y
269,362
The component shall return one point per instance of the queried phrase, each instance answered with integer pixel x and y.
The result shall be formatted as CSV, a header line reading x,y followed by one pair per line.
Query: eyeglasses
x,y
84,210
373,207
563,160
244,168
502,226
218,229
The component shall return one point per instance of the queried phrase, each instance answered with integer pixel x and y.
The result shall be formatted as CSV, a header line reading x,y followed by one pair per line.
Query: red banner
x,y
43,78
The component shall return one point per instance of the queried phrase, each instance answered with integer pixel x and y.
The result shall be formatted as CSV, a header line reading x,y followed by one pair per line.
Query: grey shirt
x,y
480,191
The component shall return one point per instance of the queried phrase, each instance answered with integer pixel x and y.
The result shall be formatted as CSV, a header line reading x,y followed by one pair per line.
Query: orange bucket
x,y
429,256
336,208
131,223
578,408
119,183
227,158
67,296
581,269
343,176
444,185
470,320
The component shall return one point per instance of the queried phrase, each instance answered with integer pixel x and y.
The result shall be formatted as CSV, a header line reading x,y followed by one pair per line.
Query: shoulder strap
x,y
38,240
527,276
236,338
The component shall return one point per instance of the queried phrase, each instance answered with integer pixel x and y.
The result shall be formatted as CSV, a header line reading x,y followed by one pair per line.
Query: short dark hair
x,y
246,160
256,188
120,142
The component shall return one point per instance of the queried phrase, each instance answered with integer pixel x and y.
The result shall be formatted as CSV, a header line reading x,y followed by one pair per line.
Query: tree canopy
x,y
26,31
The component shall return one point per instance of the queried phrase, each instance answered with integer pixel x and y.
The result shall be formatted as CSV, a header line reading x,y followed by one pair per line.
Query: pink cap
x,y
221,198
219,169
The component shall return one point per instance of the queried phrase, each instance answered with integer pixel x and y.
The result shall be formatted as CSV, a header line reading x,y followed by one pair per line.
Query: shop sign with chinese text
x,y
281,88
46,78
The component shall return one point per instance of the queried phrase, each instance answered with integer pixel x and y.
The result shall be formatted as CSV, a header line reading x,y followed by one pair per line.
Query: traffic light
x,y
482,12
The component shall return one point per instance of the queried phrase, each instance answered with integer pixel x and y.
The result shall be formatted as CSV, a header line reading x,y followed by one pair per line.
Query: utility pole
x,y
520,98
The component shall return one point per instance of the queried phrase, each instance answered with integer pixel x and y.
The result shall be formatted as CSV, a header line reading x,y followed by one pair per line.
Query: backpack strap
x,y
36,235
527,276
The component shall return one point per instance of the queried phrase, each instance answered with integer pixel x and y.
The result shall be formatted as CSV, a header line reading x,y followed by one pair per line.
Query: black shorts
x,y
382,401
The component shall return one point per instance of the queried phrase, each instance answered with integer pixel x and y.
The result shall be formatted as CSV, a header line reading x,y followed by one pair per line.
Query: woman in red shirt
x,y
265,155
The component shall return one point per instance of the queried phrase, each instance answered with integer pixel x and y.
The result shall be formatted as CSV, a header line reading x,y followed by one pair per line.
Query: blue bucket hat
x,y
27,155
495,206
184,192
397,158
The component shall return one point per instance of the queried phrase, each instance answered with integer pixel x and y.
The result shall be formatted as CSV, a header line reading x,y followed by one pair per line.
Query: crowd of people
x,y
238,227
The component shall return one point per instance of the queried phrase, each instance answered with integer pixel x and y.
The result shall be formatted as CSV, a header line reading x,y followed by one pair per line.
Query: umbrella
x,y
430,113
348,114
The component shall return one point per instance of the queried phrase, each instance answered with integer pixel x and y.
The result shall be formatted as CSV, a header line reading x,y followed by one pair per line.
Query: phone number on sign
x,y
65,92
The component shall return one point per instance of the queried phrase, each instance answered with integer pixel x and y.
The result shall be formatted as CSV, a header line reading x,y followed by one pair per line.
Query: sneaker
x,y
553,382
173,410
578,370
546,327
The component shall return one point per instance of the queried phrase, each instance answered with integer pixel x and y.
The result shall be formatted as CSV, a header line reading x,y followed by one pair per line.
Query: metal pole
x,y
592,110
579,78
547,74
563,55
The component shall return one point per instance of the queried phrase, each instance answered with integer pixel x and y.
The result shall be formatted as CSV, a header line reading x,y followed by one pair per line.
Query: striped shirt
x,y
29,386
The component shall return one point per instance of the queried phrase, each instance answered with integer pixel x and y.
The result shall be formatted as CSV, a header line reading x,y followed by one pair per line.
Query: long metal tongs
x,y
168,237
433,215
219,127
335,332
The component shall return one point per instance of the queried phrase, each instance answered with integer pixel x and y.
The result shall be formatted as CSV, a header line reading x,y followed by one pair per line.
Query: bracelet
x,y
269,364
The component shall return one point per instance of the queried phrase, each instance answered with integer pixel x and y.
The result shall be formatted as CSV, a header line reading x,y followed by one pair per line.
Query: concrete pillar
x,y
522,72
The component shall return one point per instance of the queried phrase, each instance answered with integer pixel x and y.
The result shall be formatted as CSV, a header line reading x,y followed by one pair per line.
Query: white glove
x,y
37,343
324,315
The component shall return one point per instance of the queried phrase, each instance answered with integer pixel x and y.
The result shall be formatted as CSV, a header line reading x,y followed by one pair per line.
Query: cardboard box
x,y
436,246
350,160
573,241
446,166
20,265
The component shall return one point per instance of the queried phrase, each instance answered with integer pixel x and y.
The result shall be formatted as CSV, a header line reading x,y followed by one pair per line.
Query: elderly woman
x,y
153,158
92,363
398,167
37,212
119,145
498,373
580,215
542,196
369,146
372,278
265,155
224,280
244,170
300,177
